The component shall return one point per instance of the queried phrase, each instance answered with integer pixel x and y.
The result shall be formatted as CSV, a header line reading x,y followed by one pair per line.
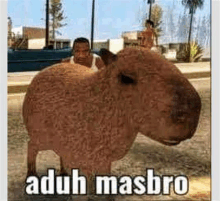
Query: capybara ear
x,y
107,56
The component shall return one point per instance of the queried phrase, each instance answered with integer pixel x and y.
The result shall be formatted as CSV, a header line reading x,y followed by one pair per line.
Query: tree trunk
x,y
54,39
190,30
53,27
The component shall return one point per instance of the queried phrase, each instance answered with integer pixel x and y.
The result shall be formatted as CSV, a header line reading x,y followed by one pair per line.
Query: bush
x,y
195,52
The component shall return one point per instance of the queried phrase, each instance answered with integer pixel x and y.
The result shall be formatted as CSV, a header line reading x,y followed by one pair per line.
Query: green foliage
x,y
156,15
57,15
193,4
196,52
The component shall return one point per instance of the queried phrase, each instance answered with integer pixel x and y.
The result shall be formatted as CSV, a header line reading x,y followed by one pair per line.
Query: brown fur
x,y
91,119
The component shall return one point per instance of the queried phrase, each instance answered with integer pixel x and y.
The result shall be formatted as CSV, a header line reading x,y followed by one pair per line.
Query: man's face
x,y
81,52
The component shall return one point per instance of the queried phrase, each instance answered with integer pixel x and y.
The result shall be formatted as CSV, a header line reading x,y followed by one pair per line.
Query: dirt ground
x,y
191,158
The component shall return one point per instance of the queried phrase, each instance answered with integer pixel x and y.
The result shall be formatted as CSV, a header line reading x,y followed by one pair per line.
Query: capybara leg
x,y
105,169
91,184
31,158
102,169
90,179
63,172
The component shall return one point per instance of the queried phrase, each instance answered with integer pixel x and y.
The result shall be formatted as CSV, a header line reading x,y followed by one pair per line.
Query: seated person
x,y
83,56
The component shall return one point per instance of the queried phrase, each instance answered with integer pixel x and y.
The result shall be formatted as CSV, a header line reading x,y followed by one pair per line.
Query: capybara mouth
x,y
170,142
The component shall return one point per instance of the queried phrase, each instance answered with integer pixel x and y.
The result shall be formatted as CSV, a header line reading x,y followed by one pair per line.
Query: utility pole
x,y
92,23
150,11
150,2
47,24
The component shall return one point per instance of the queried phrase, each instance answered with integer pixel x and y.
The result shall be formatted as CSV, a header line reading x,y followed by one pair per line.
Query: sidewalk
x,y
18,82
195,70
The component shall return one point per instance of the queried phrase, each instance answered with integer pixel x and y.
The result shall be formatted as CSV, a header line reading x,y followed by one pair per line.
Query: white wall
x,y
36,43
170,55
17,30
98,44
130,35
115,45
39,43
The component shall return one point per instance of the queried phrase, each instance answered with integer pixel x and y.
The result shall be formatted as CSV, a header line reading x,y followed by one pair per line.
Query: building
x,y
39,43
131,38
128,39
113,45
131,35
34,38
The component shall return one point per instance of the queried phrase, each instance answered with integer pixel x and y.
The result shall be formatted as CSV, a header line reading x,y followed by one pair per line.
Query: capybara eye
x,y
124,79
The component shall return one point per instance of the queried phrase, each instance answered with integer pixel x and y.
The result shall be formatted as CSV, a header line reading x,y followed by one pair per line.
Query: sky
x,y
112,17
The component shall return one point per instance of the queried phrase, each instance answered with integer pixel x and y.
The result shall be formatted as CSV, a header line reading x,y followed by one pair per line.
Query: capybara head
x,y
158,100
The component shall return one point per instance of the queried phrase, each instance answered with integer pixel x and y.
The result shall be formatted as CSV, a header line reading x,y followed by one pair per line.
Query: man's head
x,y
81,50
149,24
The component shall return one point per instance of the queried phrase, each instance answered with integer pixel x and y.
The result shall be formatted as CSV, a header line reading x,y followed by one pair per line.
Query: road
x,y
191,158
19,81
19,77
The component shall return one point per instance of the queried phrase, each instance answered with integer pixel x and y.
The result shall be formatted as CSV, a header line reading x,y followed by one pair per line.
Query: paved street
x,y
19,81
191,158
26,77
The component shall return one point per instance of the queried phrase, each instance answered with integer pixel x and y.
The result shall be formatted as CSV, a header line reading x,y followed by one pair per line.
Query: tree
x,y
192,5
198,31
203,34
57,16
171,26
156,15
9,27
183,30
208,31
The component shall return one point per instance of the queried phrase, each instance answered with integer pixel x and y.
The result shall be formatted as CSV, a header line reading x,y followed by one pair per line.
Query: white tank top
x,y
93,67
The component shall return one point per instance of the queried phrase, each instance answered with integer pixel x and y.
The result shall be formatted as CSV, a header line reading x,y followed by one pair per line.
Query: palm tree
x,y
150,2
192,5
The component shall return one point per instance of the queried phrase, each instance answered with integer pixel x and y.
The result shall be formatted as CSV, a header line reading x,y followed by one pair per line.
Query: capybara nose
x,y
186,110
179,116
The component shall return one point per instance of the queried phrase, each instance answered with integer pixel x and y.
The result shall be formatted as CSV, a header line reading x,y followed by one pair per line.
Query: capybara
x,y
91,119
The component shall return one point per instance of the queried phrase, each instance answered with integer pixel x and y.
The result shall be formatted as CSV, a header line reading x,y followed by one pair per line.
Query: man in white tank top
x,y
83,56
